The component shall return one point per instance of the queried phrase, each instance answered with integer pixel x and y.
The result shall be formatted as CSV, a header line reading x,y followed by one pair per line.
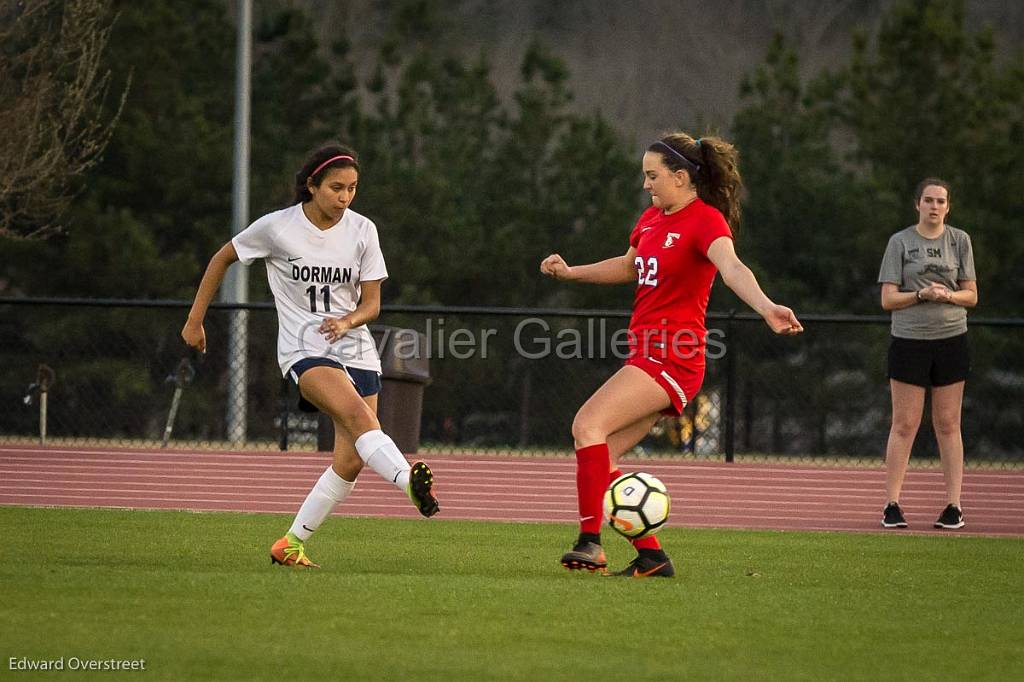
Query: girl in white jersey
x,y
325,269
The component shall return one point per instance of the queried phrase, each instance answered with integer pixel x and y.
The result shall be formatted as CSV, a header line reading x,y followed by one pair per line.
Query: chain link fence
x,y
116,374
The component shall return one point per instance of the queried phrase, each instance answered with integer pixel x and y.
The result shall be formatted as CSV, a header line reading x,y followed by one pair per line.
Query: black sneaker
x,y
892,516
951,517
648,567
420,489
585,554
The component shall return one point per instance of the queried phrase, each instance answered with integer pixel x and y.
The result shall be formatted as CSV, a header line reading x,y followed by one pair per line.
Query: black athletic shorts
x,y
938,362
366,381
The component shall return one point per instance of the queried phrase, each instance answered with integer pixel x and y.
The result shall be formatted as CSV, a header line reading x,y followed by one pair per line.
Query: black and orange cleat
x,y
648,565
585,555
420,490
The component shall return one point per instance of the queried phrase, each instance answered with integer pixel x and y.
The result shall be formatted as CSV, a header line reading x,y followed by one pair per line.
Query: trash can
x,y
405,369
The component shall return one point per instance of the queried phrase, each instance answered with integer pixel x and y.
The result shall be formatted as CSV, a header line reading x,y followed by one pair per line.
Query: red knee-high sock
x,y
649,542
591,480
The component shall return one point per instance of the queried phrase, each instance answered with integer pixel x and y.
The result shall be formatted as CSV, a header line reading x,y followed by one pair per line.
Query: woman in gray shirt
x,y
928,282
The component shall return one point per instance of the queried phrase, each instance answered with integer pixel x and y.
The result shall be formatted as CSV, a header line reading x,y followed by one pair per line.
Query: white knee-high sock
x,y
329,490
382,455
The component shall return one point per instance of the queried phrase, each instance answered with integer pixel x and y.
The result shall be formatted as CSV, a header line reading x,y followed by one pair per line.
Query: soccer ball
x,y
636,505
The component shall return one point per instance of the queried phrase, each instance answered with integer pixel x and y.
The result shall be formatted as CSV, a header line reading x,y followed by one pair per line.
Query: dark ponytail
x,y
317,165
713,167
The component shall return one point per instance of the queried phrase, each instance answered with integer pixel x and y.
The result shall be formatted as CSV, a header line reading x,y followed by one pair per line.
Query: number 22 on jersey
x,y
647,273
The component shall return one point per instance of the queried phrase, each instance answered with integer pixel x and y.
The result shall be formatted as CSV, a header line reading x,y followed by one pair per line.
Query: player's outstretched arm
x,y
193,332
741,280
618,270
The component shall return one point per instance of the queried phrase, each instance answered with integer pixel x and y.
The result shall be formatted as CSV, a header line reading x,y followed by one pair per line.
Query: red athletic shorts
x,y
681,382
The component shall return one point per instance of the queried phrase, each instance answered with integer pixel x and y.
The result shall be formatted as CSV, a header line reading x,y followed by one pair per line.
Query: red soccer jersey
x,y
674,277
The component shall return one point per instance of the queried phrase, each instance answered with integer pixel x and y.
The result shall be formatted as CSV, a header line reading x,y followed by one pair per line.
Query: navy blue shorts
x,y
366,381
938,362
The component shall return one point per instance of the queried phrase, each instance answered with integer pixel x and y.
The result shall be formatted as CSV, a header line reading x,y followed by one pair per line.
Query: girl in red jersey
x,y
675,249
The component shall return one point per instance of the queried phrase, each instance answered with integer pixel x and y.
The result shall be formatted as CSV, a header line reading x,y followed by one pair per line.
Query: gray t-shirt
x,y
912,263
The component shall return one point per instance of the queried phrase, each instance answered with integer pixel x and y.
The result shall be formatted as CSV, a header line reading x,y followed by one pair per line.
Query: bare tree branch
x,y
52,95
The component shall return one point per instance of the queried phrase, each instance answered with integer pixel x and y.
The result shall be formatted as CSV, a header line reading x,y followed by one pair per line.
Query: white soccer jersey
x,y
315,275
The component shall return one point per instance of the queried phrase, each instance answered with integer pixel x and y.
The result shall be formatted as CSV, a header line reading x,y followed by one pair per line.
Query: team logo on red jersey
x,y
670,240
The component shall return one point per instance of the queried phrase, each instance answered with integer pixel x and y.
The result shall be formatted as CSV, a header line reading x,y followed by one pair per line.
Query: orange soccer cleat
x,y
289,551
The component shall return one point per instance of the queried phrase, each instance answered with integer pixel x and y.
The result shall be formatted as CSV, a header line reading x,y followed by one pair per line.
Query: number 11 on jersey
x,y
325,291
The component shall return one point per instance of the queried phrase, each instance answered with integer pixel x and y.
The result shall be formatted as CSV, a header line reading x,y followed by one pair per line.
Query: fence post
x,y
731,347
44,380
236,285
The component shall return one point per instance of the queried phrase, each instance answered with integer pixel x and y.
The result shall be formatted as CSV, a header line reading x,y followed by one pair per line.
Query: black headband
x,y
694,168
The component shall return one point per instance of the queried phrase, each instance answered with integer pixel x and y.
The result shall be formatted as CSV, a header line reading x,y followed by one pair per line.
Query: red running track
x,y
705,494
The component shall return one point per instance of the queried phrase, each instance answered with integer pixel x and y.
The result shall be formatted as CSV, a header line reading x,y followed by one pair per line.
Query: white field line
x,y
528,469
683,487
510,495
752,522
165,456
401,506
734,507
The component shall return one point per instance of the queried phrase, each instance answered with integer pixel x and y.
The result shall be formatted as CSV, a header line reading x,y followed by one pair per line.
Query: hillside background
x,y
655,65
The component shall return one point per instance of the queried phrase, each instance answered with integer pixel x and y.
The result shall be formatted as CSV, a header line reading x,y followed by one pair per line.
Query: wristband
x,y
918,295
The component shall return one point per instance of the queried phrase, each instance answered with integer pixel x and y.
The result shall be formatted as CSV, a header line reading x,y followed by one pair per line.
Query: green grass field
x,y
196,597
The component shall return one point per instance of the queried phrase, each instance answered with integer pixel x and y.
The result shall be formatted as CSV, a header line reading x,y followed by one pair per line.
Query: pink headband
x,y
331,160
